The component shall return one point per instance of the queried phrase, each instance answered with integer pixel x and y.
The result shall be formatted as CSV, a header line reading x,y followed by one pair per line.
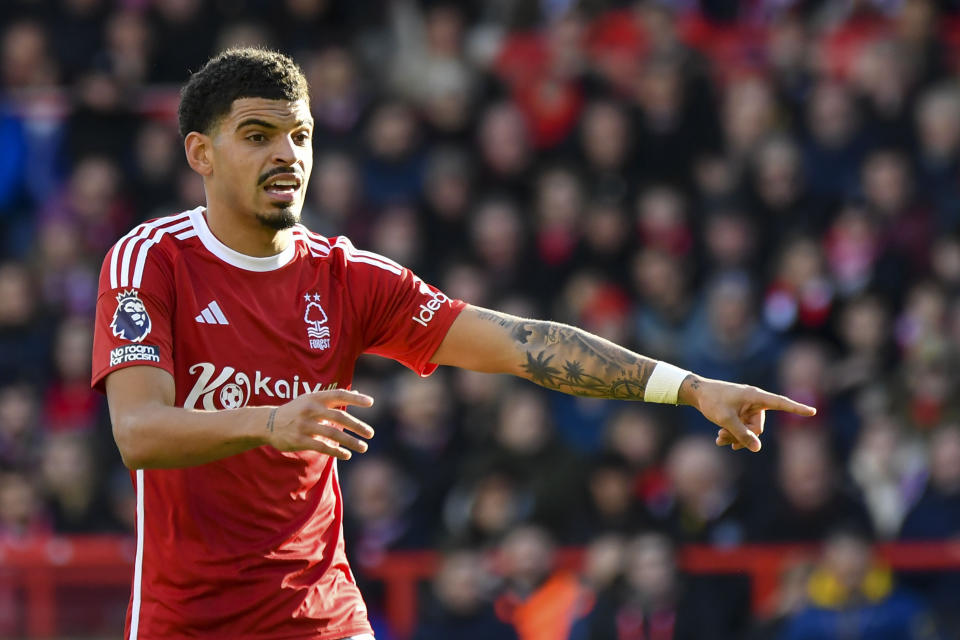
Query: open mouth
x,y
283,186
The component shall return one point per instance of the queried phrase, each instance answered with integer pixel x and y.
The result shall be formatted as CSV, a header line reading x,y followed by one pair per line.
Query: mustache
x,y
277,171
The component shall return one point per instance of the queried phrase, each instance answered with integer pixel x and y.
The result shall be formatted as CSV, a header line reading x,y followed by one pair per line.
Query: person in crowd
x,y
652,599
539,598
852,596
810,498
460,606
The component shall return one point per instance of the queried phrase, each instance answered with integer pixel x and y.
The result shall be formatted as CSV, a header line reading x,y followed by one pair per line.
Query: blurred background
x,y
766,191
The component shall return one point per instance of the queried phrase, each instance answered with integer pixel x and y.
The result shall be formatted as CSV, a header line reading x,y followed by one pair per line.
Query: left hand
x,y
739,410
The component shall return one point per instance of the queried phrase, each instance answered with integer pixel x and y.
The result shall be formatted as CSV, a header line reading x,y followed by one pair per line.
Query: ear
x,y
199,149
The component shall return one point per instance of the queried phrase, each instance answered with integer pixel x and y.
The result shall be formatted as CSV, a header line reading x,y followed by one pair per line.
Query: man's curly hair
x,y
233,74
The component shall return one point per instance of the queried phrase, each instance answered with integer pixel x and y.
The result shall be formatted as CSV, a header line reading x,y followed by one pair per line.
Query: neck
x,y
248,237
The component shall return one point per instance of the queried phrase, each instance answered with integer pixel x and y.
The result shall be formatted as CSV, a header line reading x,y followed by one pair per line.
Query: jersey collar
x,y
235,258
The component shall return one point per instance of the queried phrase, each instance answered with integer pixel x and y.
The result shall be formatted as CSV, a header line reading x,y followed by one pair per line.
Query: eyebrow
x,y
257,122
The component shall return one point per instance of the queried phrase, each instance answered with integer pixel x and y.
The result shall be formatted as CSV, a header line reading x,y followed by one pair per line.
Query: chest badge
x,y
318,333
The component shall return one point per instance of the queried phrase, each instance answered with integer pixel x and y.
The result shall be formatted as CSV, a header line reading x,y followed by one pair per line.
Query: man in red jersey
x,y
226,338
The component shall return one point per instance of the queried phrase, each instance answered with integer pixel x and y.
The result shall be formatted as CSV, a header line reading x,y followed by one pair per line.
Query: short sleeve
x,y
403,317
135,303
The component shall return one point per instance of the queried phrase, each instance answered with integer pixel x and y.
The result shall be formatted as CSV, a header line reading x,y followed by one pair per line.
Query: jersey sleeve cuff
x,y
99,379
443,323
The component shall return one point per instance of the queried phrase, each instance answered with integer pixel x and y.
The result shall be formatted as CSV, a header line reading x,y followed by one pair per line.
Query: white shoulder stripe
x,y
378,257
375,263
135,232
319,245
115,253
145,247
117,267
315,250
347,247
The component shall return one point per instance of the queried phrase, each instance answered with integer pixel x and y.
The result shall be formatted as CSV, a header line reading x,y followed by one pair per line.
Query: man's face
x,y
262,158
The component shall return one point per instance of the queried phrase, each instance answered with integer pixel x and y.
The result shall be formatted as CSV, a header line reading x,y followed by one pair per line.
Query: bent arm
x,y
551,354
151,432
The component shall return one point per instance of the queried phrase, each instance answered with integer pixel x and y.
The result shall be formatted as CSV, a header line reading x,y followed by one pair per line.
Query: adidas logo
x,y
212,314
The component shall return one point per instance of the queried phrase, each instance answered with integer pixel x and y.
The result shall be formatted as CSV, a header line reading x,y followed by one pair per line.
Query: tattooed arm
x,y
571,360
564,358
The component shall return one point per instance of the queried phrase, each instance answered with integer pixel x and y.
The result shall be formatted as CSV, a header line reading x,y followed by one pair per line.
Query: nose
x,y
286,152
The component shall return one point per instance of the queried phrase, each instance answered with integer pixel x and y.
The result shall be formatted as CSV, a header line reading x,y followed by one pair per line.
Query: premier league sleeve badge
x,y
131,320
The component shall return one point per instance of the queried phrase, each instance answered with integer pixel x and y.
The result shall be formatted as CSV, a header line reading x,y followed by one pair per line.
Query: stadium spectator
x,y
725,338
706,505
663,314
525,446
809,500
376,517
540,600
851,596
835,145
460,607
21,510
652,600
937,512
24,333
888,469
610,505
936,515
20,428
71,484
938,154
340,102
480,512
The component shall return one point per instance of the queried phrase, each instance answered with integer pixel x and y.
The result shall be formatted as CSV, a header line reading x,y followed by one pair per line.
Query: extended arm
x,y
568,359
152,433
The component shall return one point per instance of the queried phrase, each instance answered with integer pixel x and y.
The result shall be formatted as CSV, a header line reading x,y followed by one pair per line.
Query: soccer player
x,y
226,338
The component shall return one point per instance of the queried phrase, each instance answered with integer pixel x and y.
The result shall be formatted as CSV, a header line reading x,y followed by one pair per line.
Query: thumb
x,y
741,433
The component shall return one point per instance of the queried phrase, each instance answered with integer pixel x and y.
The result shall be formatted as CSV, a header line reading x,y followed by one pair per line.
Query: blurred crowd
x,y
765,191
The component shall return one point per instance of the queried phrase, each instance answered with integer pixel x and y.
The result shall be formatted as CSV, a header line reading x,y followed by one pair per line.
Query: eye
x,y
256,137
301,138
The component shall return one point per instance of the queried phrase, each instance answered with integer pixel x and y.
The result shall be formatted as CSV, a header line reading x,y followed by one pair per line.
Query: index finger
x,y
783,403
341,397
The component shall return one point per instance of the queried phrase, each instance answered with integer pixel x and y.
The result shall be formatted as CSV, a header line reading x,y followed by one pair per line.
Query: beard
x,y
280,219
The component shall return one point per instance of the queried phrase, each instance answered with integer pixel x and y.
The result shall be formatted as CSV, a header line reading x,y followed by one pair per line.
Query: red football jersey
x,y
251,545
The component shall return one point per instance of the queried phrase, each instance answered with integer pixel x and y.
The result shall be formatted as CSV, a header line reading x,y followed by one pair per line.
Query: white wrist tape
x,y
664,383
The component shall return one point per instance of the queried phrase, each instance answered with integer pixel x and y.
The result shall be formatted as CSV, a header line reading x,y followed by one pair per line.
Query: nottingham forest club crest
x,y
318,333
130,320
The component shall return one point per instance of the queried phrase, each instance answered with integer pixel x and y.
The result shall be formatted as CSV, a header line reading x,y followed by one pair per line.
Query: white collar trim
x,y
235,258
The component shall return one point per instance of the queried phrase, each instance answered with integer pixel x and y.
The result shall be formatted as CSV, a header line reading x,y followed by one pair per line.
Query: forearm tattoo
x,y
272,418
567,359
